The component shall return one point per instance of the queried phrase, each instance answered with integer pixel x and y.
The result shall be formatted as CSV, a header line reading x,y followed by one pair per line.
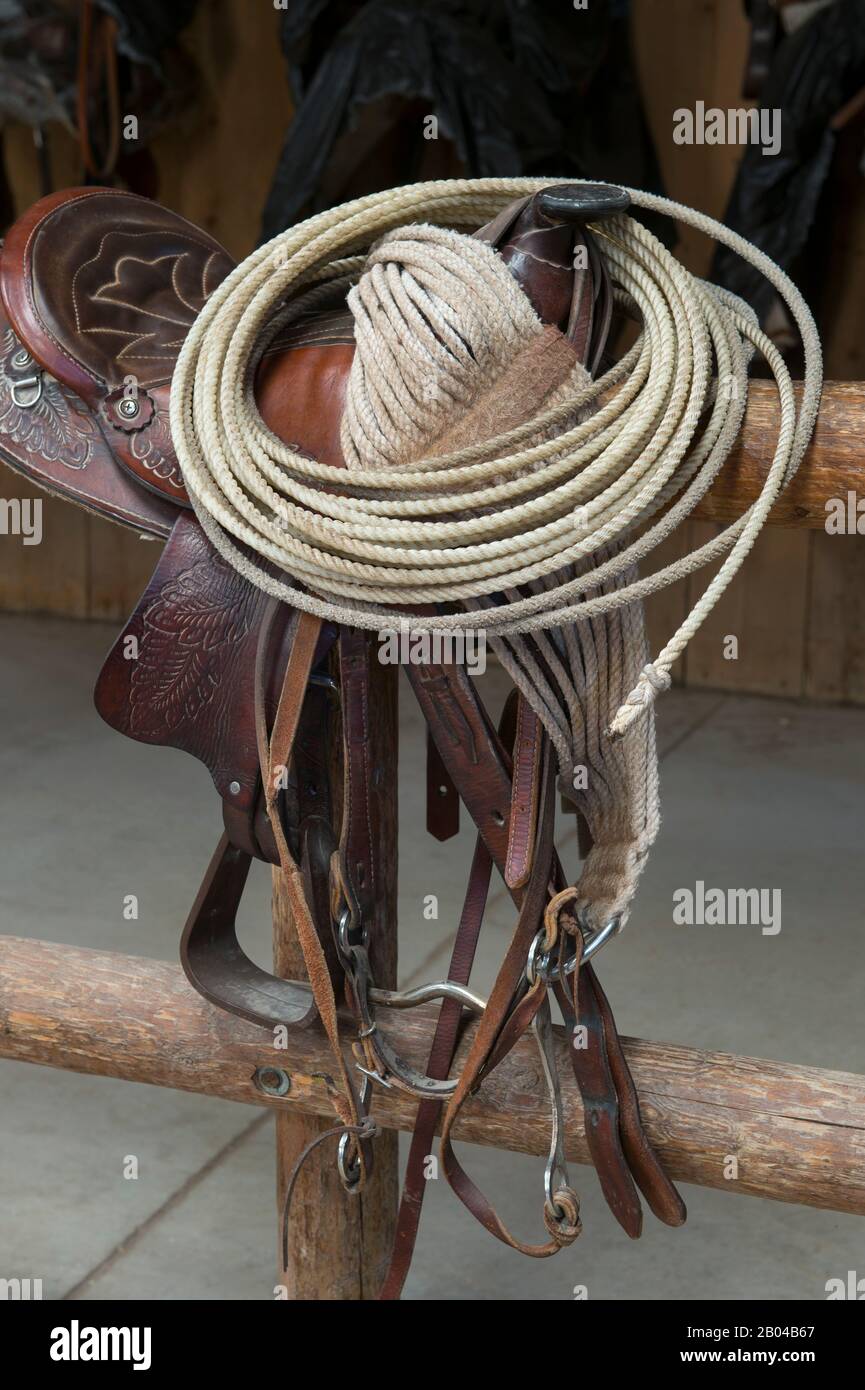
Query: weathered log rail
x,y
834,462
797,1133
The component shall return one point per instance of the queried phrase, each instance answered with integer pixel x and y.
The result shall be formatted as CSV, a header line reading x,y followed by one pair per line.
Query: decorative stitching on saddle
x,y
185,628
131,350
193,241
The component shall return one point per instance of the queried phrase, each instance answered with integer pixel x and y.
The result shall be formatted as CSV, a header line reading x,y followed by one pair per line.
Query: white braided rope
x,y
507,511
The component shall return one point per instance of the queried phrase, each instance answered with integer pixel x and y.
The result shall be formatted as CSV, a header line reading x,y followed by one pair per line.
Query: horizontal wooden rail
x,y
833,465
797,1133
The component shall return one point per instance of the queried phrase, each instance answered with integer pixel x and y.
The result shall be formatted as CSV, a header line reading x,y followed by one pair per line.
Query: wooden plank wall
x,y
798,605
797,608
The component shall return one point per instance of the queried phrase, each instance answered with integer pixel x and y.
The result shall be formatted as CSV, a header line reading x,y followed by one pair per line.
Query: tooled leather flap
x,y
181,673
48,434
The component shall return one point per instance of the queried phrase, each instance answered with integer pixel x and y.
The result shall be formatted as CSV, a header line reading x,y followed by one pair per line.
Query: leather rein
x,y
547,952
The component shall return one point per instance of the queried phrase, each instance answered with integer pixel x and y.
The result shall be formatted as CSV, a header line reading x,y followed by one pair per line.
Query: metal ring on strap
x,y
539,964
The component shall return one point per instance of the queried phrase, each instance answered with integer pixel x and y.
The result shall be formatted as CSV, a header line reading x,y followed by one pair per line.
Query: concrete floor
x,y
755,793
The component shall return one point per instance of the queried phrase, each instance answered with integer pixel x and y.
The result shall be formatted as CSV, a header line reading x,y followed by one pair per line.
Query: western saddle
x,y
100,288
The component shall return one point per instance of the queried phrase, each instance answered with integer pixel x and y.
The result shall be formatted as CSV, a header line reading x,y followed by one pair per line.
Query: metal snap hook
x,y
593,941
539,964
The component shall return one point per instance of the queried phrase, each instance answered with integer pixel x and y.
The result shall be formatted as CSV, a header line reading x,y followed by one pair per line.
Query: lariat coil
x,y
492,516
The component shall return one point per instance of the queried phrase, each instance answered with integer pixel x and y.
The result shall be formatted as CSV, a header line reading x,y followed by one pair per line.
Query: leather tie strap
x,y
362,1132
565,1228
440,1059
478,766
663,1199
275,756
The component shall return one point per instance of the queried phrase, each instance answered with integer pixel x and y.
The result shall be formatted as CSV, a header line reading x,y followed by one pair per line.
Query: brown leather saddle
x,y
100,288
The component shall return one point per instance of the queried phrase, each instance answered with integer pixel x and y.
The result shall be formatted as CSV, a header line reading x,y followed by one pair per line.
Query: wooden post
x,y
339,1244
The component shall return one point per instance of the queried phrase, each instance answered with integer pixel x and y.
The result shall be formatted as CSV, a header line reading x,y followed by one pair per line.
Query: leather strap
x,y
97,49
524,796
439,1064
275,757
662,1197
442,797
469,748
493,1020
601,1106
478,766
445,1038
357,854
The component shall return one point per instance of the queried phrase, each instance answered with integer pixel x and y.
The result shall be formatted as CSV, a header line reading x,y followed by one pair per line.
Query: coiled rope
x,y
561,502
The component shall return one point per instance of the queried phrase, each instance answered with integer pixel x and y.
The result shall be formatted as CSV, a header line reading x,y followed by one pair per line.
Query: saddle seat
x,y
100,288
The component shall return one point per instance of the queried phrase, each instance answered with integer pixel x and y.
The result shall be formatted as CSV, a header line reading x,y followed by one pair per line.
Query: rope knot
x,y
561,912
653,679
656,677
